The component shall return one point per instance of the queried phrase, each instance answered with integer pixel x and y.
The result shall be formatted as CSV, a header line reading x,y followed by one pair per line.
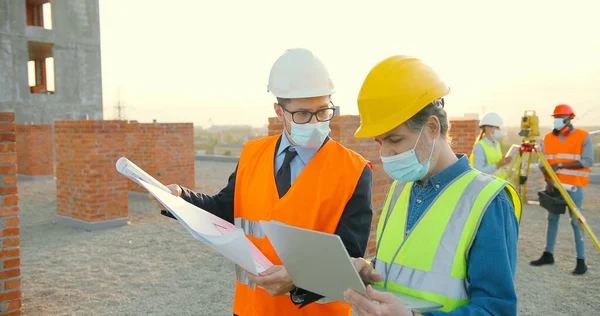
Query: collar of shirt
x,y
423,194
447,175
305,154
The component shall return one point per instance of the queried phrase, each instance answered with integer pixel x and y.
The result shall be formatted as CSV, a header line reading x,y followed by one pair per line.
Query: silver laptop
x,y
319,262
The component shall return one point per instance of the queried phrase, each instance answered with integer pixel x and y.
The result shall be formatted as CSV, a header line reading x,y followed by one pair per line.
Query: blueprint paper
x,y
135,173
215,232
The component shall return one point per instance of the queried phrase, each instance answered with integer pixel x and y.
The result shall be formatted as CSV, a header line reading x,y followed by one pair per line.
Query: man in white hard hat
x,y
329,188
487,153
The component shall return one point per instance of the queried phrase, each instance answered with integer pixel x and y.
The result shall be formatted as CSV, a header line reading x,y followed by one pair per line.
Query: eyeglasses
x,y
303,117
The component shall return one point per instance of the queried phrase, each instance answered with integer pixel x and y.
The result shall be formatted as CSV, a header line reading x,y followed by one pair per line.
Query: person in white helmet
x,y
487,154
300,177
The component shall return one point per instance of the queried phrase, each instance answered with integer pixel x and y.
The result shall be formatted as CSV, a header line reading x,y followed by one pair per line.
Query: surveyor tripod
x,y
520,181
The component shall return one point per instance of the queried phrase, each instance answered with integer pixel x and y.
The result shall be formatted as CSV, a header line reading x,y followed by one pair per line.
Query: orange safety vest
x,y
315,201
569,150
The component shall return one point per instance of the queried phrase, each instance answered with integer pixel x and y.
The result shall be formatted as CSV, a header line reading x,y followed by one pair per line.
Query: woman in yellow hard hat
x,y
447,232
487,154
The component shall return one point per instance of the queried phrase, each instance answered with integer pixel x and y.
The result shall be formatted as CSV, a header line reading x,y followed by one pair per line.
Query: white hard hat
x,y
491,119
299,74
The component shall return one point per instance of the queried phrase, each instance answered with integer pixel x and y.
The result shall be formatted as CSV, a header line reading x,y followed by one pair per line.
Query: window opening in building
x,y
41,68
39,13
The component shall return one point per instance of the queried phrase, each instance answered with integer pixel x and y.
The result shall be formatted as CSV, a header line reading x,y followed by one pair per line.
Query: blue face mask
x,y
405,167
497,134
309,135
559,123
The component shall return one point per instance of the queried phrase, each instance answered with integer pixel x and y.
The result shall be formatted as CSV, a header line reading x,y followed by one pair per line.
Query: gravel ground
x,y
154,267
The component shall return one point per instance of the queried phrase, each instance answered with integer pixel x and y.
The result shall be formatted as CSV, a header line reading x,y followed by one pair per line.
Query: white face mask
x,y
497,134
309,135
559,123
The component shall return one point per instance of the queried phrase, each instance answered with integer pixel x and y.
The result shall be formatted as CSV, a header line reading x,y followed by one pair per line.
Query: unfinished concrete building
x,y
50,60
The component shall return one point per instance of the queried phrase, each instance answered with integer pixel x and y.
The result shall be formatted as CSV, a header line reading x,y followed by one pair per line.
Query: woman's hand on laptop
x,y
366,271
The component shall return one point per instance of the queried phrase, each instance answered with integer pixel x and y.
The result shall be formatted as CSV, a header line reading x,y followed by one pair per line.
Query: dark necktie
x,y
284,175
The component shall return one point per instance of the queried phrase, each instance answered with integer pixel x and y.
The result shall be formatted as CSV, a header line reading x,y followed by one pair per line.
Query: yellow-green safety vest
x,y
493,154
430,261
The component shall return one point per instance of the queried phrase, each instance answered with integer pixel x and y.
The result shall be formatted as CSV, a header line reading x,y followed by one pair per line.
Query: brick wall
x,y
34,150
10,271
463,134
90,193
342,130
165,151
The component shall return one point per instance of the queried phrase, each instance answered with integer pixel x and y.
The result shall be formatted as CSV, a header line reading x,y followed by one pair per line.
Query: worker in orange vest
x,y
570,152
329,188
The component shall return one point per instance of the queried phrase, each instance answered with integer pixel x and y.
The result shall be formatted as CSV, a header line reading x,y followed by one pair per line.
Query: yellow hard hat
x,y
394,91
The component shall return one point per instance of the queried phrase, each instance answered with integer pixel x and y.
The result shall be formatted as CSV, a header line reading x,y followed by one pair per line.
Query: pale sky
x,y
188,61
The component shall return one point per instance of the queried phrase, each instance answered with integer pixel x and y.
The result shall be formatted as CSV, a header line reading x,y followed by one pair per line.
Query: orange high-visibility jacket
x,y
569,150
315,201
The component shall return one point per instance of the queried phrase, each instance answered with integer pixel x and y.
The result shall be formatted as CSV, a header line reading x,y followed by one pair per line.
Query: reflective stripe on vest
x,y
572,172
431,261
241,277
253,229
563,156
493,154
250,228
567,150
